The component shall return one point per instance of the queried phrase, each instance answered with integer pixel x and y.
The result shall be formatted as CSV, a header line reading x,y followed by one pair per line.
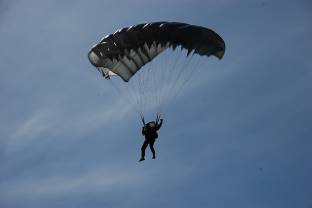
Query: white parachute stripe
x,y
139,58
143,58
121,70
128,65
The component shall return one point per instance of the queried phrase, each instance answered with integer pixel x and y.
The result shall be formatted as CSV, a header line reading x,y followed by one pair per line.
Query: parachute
x,y
129,53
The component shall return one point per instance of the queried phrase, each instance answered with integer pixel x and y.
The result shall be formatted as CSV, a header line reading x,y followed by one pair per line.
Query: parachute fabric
x,y
130,49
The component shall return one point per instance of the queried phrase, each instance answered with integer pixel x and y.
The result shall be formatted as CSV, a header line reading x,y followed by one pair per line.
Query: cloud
x,y
52,121
58,185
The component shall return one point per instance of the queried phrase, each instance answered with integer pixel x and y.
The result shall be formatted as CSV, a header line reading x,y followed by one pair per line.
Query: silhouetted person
x,y
149,130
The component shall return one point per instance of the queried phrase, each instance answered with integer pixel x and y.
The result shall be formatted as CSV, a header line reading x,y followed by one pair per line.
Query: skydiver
x,y
149,130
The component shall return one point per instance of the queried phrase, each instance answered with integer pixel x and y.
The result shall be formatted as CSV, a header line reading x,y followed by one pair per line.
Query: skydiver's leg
x,y
151,145
143,150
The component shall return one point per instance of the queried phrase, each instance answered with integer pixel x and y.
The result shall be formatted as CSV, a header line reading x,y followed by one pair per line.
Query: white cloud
x,y
52,120
56,185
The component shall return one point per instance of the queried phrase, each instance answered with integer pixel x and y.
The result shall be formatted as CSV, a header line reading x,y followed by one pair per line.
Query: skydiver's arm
x,y
143,121
159,125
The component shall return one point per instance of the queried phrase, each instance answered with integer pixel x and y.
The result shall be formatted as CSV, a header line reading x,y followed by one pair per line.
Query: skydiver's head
x,y
152,124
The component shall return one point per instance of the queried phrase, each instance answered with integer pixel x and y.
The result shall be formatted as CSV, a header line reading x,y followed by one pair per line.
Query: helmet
x,y
152,124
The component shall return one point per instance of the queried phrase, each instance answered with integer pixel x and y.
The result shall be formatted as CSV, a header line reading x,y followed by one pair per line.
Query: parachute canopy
x,y
124,52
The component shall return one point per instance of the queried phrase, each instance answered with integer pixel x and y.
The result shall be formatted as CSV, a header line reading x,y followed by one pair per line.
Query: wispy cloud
x,y
54,121
58,185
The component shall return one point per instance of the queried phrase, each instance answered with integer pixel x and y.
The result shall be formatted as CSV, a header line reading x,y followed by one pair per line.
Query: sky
x,y
238,136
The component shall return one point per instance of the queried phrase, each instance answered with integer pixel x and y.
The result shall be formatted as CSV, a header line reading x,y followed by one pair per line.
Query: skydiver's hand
x,y
161,120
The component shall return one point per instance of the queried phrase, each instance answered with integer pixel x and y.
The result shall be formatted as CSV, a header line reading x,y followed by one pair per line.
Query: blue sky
x,y
239,136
